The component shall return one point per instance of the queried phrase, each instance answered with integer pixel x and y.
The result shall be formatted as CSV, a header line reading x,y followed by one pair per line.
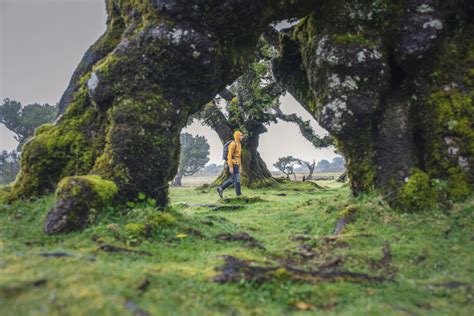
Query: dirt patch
x,y
194,232
385,263
214,207
451,285
319,253
217,218
227,207
235,270
110,248
10,291
301,238
143,285
57,254
249,240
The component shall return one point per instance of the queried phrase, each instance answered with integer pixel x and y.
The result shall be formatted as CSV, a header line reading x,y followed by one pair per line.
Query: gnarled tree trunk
x,y
255,172
393,84
157,63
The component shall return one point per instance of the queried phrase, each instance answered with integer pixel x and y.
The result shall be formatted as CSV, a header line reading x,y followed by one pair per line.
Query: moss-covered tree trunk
x,y
157,63
254,170
393,82
177,179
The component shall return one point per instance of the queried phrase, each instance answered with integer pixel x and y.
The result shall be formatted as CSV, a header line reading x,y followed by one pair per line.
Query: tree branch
x,y
305,129
213,117
227,95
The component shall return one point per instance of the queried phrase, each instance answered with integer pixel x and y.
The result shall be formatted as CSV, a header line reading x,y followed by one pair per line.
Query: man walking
x,y
234,164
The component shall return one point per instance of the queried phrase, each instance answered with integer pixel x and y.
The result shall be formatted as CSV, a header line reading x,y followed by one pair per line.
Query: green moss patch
x,y
78,199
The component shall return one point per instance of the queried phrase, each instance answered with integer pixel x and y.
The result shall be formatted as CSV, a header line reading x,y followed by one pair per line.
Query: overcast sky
x,y
42,41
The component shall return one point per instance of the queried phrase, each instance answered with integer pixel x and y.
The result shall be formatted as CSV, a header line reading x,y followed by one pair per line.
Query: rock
x,y
77,198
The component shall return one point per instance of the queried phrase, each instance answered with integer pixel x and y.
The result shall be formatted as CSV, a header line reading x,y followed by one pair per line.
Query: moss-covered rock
x,y
78,199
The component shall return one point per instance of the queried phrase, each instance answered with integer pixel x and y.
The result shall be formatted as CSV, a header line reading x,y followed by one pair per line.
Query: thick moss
x,y
142,150
360,160
418,193
78,199
57,151
451,143
445,119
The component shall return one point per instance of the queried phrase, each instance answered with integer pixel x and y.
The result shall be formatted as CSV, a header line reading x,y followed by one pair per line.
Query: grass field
x,y
272,253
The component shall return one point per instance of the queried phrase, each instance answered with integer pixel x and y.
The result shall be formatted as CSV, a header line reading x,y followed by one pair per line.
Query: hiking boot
x,y
219,190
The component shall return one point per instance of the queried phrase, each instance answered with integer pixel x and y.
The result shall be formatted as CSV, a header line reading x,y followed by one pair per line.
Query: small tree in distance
x,y
9,166
286,165
310,166
23,120
193,157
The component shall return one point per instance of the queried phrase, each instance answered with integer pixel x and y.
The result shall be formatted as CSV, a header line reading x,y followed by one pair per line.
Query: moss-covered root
x,y
78,199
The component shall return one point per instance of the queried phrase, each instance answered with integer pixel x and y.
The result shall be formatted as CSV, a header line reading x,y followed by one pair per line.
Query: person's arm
x,y
230,154
240,161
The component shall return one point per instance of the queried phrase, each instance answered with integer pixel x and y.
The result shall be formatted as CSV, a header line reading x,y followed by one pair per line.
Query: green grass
x,y
428,250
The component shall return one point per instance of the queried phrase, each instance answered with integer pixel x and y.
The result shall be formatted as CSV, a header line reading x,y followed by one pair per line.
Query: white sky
x,y
42,41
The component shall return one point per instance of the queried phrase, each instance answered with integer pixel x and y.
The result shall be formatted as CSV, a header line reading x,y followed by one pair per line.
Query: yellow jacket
x,y
235,151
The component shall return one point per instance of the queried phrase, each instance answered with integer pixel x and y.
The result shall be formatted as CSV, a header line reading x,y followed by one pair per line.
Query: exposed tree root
x,y
385,263
243,199
347,216
58,254
110,248
329,238
249,240
143,286
452,285
235,269
214,207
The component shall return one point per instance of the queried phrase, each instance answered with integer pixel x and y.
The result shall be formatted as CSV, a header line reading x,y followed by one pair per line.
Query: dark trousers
x,y
233,180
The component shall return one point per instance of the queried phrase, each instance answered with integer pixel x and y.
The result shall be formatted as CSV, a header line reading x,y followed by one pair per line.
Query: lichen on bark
x,y
392,82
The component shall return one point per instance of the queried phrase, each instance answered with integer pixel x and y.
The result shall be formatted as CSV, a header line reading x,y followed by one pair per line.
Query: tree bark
x,y
255,172
376,86
311,171
177,180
